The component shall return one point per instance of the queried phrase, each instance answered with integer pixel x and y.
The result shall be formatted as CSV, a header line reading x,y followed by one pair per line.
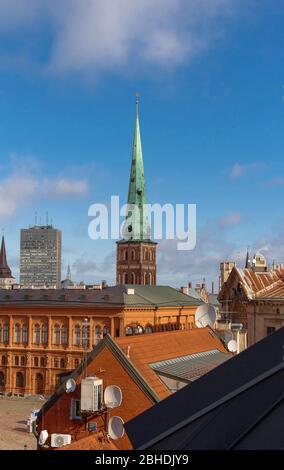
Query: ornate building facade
x,y
254,297
136,253
44,333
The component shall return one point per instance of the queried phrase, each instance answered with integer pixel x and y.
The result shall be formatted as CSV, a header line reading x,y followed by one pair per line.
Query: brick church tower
x,y
136,253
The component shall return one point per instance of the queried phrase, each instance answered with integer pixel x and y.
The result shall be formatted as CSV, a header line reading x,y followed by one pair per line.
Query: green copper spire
x,y
137,227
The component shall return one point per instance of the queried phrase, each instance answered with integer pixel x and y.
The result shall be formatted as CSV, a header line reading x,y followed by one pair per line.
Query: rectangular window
x,y
270,330
75,409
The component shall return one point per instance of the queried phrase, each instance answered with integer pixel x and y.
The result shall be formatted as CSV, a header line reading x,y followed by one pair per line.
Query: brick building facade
x,y
43,333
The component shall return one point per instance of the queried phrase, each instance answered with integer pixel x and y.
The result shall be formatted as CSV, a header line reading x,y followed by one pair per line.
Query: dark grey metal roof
x,y
240,393
109,297
190,367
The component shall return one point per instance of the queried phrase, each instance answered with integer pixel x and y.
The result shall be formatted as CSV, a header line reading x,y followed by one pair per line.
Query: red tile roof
x,y
262,285
96,441
147,349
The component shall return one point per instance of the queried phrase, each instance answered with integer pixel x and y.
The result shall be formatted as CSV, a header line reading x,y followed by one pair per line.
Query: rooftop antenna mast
x,y
46,217
35,218
85,340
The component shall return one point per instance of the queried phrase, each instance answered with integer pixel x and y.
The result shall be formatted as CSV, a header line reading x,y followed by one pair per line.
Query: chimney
x,y
184,290
190,285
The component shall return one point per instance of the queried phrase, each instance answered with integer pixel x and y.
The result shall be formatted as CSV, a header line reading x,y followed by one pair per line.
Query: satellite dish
x,y
228,336
43,437
116,427
232,345
70,386
205,315
112,396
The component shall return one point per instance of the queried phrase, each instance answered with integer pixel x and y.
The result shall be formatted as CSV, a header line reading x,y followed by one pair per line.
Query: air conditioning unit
x,y
60,440
91,394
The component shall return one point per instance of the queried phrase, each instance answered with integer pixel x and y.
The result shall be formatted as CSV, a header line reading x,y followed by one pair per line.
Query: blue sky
x,y
210,74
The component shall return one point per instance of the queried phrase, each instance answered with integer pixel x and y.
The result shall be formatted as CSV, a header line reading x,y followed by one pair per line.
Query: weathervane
x,y
137,94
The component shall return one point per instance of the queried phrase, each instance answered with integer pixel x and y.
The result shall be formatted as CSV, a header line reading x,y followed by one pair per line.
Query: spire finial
x,y
137,94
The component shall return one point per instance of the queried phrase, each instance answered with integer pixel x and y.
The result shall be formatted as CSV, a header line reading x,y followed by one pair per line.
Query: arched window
x,y
56,362
145,255
64,335
44,334
25,336
23,361
2,379
3,361
42,362
17,333
132,278
148,329
145,278
133,255
77,335
125,255
105,330
76,363
124,278
98,334
36,334
6,333
128,331
150,255
36,361
62,363
20,382
17,362
138,330
56,334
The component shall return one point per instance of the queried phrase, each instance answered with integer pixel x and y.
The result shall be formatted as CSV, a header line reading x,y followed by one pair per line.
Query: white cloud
x,y
110,34
61,188
21,187
279,181
239,171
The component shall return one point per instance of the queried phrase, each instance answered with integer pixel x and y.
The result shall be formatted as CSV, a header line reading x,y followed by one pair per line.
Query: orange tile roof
x,y
147,349
96,441
262,285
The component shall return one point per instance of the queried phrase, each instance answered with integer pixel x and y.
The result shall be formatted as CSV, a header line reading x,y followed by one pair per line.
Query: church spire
x,y
137,227
68,274
248,262
5,271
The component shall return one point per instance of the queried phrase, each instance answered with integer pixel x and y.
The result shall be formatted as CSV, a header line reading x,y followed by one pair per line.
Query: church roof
x,y
136,224
5,271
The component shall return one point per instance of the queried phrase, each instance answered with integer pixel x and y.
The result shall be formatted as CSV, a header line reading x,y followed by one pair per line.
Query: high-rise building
x,y
6,278
136,253
40,257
